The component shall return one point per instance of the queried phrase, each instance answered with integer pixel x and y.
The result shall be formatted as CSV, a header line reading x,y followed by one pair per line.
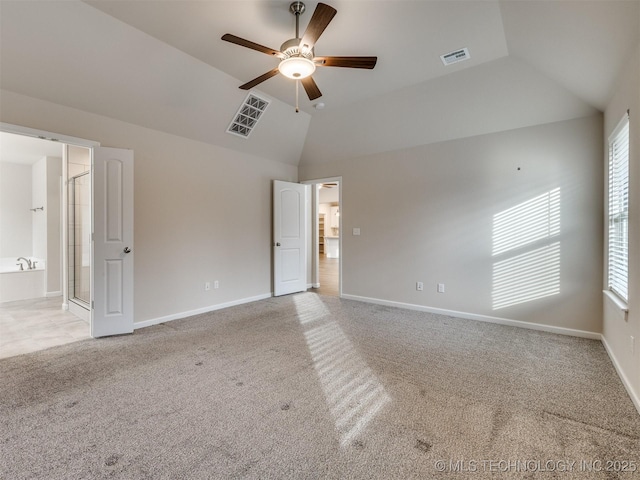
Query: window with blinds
x,y
618,271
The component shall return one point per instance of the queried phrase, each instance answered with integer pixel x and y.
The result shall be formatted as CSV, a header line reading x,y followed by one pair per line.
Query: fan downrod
x,y
297,8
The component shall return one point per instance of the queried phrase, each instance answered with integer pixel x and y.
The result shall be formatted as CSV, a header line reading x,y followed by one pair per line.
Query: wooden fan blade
x,y
311,88
321,17
260,79
227,37
349,62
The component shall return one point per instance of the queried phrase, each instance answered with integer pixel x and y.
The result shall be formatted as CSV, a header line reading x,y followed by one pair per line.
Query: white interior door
x,y
112,286
289,237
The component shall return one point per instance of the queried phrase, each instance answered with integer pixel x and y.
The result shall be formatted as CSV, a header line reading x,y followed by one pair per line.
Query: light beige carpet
x,y
306,386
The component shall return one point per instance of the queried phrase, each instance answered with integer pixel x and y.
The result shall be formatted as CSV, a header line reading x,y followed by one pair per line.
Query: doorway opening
x,y
326,245
32,285
96,248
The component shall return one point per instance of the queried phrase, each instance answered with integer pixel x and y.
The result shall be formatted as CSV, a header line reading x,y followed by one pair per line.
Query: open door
x,y
112,286
289,237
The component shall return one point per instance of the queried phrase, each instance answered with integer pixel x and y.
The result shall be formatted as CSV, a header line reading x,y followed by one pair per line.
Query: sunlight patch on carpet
x,y
353,393
309,308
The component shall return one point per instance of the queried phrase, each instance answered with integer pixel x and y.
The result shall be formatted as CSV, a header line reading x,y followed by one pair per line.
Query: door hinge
x,y
93,305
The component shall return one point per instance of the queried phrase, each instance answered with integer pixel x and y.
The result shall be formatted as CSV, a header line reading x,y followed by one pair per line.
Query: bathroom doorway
x,y
31,247
98,245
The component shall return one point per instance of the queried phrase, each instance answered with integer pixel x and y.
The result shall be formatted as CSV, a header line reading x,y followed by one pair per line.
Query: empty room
x,y
353,239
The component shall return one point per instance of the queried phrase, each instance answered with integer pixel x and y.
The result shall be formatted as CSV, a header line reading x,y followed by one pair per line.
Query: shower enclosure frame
x,y
76,295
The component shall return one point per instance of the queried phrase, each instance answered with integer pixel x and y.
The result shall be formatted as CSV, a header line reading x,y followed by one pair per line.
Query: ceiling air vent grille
x,y
248,115
455,57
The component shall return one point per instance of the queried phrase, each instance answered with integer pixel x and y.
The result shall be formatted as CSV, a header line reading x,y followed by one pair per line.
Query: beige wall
x,y
618,330
39,217
53,281
202,213
426,214
24,233
15,215
46,176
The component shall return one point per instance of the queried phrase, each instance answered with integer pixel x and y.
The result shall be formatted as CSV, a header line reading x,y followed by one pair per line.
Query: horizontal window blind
x,y
618,270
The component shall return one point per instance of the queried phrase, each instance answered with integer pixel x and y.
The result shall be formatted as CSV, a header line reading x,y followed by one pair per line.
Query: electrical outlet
x,y
216,284
441,288
207,285
419,286
633,345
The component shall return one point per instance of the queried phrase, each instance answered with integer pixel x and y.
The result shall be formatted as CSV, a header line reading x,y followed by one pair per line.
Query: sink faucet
x,y
26,260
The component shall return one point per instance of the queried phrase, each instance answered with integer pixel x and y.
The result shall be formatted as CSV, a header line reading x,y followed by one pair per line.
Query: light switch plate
x,y
356,231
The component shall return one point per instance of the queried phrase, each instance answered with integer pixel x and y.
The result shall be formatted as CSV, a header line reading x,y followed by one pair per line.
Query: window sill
x,y
617,301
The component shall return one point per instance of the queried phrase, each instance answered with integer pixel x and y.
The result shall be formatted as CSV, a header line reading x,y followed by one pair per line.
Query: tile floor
x,y
31,325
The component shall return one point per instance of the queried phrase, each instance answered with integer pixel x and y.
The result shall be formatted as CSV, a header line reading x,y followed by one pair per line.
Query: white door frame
x,y
63,140
315,257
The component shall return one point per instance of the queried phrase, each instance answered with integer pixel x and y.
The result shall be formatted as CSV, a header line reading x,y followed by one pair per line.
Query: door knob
x,y
278,244
127,249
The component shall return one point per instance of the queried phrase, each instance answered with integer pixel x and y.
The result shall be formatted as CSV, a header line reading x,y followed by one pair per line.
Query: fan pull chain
x,y
297,86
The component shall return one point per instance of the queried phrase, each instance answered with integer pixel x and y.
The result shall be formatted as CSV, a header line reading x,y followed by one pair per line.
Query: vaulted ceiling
x,y
161,64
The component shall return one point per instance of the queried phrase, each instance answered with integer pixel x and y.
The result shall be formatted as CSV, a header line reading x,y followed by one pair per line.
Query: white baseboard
x,y
625,381
210,308
316,285
53,294
482,318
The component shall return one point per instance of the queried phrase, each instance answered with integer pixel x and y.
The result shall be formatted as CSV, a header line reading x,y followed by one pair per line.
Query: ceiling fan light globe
x,y
297,68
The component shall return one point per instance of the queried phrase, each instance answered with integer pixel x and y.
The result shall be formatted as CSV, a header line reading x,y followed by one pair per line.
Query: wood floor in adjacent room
x,y
329,269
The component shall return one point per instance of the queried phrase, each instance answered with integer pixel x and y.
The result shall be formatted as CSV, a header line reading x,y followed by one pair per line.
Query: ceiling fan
x,y
297,57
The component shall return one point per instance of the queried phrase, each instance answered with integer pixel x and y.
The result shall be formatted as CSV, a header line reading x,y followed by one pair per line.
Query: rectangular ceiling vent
x,y
455,57
248,115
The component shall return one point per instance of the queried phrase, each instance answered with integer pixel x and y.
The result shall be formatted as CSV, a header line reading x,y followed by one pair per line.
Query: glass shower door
x,y
80,238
